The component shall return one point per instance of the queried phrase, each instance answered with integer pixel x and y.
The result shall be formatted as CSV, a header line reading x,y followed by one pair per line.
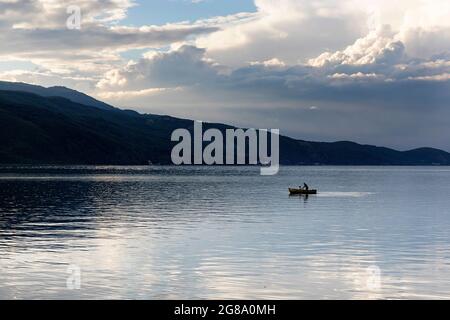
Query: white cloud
x,y
120,95
297,30
377,45
35,31
185,66
53,14
275,62
288,30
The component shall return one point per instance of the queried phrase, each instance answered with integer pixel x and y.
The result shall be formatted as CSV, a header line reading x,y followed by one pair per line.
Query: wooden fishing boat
x,y
302,191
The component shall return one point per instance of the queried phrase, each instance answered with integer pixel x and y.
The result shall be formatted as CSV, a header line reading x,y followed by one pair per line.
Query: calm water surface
x,y
166,232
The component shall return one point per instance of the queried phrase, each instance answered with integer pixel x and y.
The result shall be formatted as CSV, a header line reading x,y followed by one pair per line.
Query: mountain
x,y
64,92
36,129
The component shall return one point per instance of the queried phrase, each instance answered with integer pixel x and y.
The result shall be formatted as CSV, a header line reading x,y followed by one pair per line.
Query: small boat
x,y
302,191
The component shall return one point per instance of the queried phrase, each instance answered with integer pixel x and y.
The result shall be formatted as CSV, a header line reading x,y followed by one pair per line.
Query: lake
x,y
224,232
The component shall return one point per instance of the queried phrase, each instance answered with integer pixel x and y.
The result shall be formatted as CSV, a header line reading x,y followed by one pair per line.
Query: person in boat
x,y
305,186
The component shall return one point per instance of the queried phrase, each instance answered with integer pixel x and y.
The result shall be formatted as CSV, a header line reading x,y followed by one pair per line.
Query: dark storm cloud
x,y
389,80
392,99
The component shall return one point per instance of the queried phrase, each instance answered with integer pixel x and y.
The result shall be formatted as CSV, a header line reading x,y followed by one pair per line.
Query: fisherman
x,y
305,186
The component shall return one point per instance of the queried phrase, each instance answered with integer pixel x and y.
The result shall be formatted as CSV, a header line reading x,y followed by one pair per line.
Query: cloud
x,y
51,14
363,70
93,37
36,31
297,30
183,67
288,30
117,95
360,85
378,46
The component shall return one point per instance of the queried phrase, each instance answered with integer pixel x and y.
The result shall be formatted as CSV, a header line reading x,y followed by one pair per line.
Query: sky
x,y
370,71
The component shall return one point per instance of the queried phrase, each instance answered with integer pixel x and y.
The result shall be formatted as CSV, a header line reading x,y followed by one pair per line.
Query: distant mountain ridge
x,y
58,91
37,129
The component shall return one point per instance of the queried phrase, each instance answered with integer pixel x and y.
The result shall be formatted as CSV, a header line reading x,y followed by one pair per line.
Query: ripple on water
x,y
166,232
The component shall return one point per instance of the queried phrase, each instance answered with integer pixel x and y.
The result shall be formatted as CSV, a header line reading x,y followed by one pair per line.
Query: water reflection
x,y
166,232
302,197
